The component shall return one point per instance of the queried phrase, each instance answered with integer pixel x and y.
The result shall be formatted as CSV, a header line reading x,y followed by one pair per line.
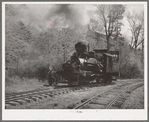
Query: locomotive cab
x,y
110,62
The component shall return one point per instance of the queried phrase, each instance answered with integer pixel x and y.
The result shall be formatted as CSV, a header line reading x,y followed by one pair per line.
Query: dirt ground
x,y
135,100
16,85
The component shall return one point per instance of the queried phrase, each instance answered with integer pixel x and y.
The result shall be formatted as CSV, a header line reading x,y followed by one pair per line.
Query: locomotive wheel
x,y
103,80
106,79
69,82
99,79
52,82
71,79
81,80
109,79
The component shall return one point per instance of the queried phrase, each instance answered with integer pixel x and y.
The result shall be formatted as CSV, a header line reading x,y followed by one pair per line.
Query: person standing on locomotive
x,y
73,63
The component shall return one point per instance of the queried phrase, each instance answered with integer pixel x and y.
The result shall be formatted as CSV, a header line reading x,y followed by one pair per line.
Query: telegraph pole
x,y
64,51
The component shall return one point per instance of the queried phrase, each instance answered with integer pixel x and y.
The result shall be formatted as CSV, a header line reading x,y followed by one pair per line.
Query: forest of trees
x,y
30,52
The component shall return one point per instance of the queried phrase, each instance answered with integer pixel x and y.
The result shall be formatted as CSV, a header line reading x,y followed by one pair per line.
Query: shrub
x,y
130,71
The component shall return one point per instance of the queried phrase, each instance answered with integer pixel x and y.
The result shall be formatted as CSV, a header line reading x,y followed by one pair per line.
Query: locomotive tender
x,y
104,70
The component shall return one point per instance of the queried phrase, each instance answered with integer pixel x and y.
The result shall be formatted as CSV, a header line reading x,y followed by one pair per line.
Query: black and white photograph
x,y
74,58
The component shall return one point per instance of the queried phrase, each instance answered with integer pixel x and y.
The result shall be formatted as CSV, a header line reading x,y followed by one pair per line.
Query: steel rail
x,y
116,98
91,99
40,94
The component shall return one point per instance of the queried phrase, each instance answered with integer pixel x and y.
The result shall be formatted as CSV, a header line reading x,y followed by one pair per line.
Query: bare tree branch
x,y
136,23
110,16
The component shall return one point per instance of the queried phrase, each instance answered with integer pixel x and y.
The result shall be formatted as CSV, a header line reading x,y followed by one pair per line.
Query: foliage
x,y
136,24
30,55
130,64
110,16
132,71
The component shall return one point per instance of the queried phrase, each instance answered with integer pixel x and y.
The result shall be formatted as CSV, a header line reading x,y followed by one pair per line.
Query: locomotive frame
x,y
80,77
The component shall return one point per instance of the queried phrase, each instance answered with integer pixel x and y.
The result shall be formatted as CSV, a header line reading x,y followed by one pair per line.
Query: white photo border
x,y
62,114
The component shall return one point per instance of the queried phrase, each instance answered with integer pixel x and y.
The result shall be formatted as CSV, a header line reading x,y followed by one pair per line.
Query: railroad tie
x,y
46,96
36,99
21,102
7,106
13,103
50,95
40,97
28,100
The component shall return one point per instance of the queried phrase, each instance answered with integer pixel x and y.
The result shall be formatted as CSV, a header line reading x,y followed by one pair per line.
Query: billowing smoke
x,y
41,17
72,14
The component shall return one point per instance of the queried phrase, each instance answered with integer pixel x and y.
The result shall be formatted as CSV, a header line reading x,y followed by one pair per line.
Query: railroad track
x,y
119,99
16,99
115,103
28,98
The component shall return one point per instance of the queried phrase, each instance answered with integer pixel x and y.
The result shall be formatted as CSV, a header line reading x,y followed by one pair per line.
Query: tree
x,y
110,16
136,24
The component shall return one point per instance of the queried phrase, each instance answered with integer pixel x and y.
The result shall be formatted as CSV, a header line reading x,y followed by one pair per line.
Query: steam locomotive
x,y
104,68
